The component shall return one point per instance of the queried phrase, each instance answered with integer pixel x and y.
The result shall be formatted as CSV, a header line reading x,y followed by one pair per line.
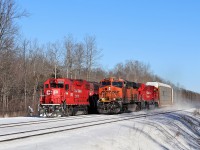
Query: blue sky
x,y
162,33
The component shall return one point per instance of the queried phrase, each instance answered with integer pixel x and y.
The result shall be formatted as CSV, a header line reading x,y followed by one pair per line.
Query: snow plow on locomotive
x,y
64,97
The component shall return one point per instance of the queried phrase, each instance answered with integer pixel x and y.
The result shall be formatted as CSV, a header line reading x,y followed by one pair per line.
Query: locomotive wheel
x,y
48,115
41,113
156,104
125,109
54,114
147,105
114,107
100,108
70,111
75,110
139,106
65,112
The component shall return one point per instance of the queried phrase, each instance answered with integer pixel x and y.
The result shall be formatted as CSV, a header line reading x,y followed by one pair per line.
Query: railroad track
x,y
47,120
73,126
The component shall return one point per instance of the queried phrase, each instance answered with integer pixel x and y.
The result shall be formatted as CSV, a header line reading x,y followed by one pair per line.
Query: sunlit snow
x,y
179,130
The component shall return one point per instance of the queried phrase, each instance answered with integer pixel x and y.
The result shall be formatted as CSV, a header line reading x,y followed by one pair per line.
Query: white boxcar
x,y
165,93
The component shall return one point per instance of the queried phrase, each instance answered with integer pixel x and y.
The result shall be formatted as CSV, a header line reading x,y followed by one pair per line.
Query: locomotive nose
x,y
54,97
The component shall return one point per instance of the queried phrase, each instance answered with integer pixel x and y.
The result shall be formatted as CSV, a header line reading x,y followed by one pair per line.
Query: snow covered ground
x,y
180,130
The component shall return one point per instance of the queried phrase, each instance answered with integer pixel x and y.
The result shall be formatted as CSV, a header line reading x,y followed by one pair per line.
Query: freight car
x,y
65,97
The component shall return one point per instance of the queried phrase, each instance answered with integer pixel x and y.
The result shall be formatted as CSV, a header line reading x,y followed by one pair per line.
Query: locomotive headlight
x,y
109,88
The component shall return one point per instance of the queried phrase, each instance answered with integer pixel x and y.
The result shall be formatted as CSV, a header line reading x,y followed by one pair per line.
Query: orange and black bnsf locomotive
x,y
119,95
66,97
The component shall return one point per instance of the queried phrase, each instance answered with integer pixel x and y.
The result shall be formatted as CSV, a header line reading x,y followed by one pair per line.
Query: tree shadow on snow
x,y
147,135
183,125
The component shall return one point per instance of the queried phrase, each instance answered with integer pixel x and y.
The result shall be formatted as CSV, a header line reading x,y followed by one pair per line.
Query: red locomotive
x,y
163,93
148,95
119,95
65,96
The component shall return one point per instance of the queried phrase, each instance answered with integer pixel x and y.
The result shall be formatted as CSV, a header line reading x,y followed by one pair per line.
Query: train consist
x,y
66,97
119,95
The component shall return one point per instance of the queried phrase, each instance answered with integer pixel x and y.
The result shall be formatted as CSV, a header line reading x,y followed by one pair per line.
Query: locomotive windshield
x,y
105,83
54,85
117,84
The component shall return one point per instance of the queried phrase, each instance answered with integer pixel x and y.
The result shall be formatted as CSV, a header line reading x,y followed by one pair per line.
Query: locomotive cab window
x,y
53,85
105,83
117,84
46,85
60,85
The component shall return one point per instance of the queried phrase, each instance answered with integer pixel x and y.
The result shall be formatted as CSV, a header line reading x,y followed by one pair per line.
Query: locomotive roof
x,y
113,79
57,80
158,84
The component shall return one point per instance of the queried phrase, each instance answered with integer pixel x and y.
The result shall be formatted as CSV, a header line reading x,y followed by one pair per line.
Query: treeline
x,y
26,64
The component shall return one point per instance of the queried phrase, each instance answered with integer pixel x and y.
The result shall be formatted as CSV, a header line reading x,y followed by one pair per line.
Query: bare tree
x,y
54,55
69,45
119,70
134,71
92,54
24,47
35,71
9,13
78,59
8,28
